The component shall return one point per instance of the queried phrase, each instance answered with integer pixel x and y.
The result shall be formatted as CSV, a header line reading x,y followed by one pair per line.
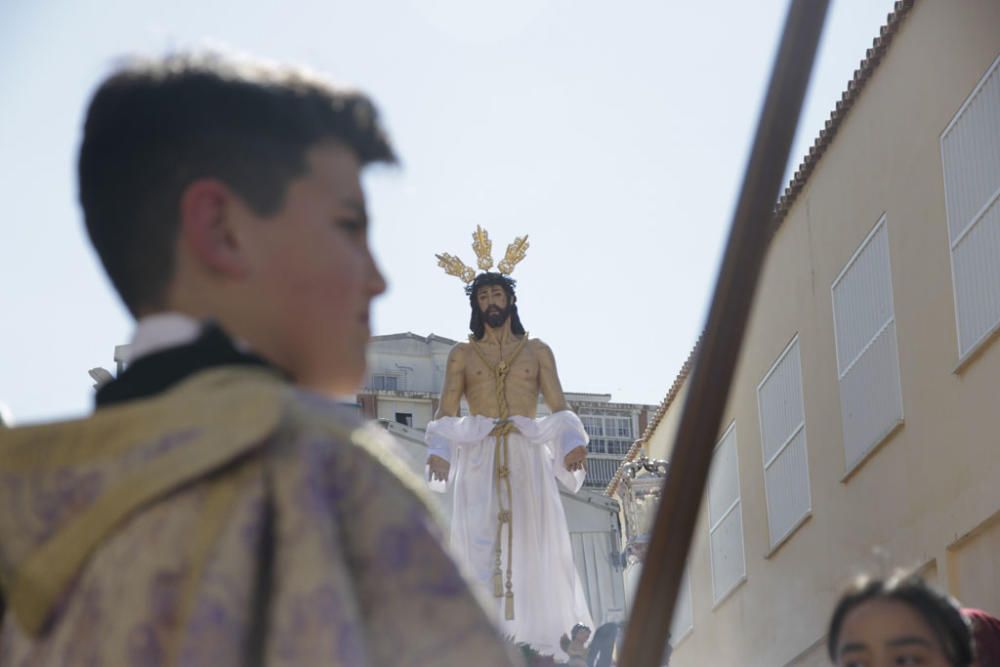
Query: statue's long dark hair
x,y
476,323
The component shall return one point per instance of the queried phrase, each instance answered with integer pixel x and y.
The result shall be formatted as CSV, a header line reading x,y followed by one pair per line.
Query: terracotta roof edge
x,y
665,404
871,61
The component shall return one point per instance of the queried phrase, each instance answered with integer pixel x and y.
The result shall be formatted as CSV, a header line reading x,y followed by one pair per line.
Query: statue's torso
x,y
522,386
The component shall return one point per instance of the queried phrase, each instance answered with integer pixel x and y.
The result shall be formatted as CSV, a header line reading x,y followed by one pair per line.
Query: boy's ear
x,y
208,230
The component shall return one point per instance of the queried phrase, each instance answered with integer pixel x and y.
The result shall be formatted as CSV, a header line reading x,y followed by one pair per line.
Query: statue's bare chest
x,y
489,363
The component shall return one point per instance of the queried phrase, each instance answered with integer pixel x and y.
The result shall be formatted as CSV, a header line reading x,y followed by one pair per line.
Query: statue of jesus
x,y
508,524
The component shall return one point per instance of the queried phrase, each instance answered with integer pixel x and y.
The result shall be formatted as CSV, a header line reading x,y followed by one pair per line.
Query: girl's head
x,y
895,621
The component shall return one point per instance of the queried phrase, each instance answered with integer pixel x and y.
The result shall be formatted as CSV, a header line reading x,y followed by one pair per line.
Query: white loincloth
x,y
548,595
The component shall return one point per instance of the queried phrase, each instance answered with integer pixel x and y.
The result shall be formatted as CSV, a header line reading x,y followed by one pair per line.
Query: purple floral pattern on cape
x,y
356,575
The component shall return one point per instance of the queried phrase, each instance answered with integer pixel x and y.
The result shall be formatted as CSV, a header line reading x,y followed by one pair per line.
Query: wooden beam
x,y
749,237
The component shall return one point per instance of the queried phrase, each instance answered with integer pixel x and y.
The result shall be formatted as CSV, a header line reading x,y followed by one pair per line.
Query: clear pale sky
x,y
615,134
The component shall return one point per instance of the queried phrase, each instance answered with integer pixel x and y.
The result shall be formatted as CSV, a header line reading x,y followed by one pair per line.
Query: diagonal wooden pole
x,y
749,237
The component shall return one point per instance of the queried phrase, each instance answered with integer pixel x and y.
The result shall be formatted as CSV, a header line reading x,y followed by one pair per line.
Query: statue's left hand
x,y
576,458
438,468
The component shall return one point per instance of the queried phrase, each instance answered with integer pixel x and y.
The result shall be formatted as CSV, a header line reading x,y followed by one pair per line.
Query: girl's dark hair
x,y
937,610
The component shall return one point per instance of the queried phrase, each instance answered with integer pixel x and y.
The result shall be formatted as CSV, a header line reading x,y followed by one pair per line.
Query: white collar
x,y
154,333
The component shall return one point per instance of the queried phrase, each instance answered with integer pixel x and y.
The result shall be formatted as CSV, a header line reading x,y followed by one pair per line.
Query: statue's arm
x,y
548,378
552,392
451,398
454,383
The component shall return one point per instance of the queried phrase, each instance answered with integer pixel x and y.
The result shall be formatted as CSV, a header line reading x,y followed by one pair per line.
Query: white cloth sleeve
x,y
563,430
438,445
570,439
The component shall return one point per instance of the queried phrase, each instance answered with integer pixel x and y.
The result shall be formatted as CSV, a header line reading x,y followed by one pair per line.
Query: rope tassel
x,y
501,479
504,516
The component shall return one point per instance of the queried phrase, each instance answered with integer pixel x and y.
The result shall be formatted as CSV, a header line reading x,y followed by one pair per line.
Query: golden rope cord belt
x,y
501,474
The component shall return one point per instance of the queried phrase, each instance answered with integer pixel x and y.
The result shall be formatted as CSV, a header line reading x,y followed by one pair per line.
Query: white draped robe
x,y
548,595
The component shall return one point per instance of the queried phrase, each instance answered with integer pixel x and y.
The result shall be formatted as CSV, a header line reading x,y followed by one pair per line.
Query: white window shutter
x,y
783,444
725,518
871,398
970,156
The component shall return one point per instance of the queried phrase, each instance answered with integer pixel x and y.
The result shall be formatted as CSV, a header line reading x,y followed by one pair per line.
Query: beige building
x,y
862,428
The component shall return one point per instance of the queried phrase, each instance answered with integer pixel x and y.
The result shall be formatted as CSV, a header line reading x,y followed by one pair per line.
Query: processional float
x,y
750,233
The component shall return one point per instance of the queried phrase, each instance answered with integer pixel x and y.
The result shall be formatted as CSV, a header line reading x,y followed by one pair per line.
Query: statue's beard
x,y
494,316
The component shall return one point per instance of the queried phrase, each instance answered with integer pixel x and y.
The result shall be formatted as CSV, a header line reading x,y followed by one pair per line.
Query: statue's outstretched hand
x,y
576,458
438,468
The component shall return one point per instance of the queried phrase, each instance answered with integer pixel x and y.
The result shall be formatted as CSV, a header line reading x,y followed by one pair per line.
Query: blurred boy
x,y
219,508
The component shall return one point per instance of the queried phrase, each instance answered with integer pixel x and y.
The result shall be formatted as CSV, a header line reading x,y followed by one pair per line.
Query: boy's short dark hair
x,y
940,613
155,126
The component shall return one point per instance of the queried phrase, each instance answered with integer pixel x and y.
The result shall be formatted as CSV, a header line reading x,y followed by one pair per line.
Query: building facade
x,y
406,374
860,432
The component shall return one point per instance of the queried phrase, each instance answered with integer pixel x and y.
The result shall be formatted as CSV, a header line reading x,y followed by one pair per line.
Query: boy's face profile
x,y
311,270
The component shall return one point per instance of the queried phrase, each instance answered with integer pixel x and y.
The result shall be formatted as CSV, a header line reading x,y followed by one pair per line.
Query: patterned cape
x,y
232,520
